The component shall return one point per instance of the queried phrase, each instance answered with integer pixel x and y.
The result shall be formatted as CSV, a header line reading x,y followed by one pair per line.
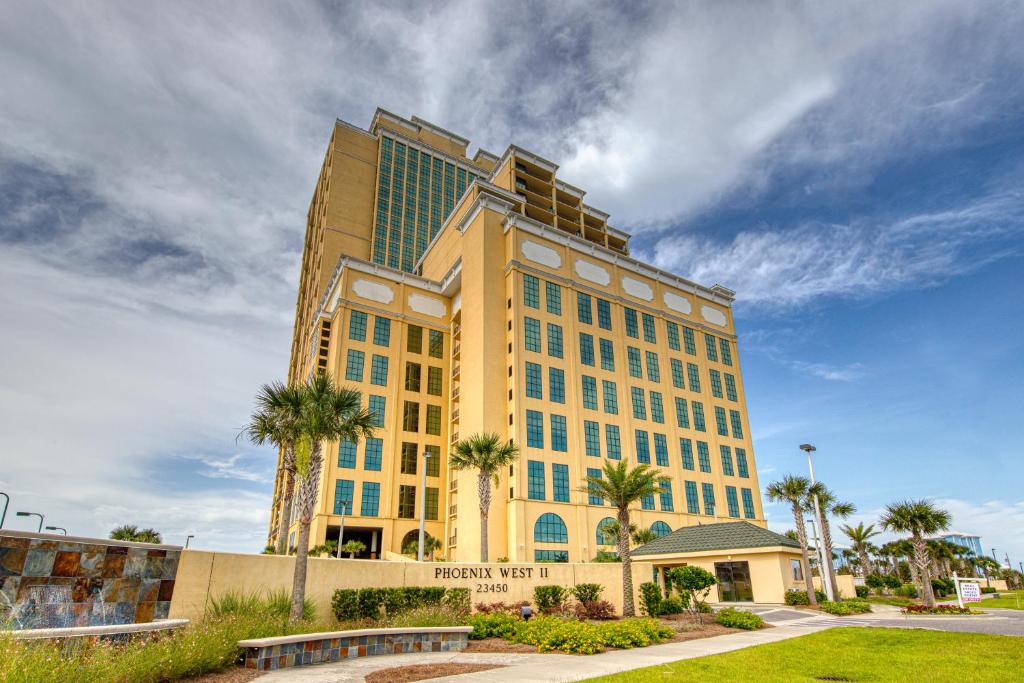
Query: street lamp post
x,y
826,565
57,528
341,530
33,514
189,539
3,515
423,504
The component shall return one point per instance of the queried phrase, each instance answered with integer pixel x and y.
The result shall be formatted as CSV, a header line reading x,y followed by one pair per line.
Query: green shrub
x,y
598,609
892,582
606,556
507,607
634,633
425,616
846,607
694,584
734,618
988,589
862,591
800,597
550,598
672,605
587,592
382,603
943,586
493,625
276,604
580,637
907,590
457,599
650,598
874,581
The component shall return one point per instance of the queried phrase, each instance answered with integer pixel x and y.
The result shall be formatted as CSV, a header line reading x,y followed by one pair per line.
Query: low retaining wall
x,y
109,633
269,654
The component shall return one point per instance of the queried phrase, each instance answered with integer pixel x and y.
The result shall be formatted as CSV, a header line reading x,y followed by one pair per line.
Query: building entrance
x,y
734,582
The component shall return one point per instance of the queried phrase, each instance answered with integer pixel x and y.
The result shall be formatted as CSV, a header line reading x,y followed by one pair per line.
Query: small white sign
x,y
970,591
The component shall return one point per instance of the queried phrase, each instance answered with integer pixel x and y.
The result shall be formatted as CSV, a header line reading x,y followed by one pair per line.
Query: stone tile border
x,y
269,654
113,632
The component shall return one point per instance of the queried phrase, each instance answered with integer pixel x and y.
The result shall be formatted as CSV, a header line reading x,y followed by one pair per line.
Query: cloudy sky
x,y
854,172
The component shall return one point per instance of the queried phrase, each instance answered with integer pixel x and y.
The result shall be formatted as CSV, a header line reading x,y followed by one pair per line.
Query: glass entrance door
x,y
734,582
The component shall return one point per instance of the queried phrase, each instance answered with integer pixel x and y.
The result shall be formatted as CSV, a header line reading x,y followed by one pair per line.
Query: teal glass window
x,y
730,387
698,416
604,314
708,492
732,501
357,326
347,454
688,342
560,482
737,424
653,369
354,365
635,366
550,528
553,298
370,505
381,331
726,453
660,450
603,537
375,404
559,556
584,312
723,345
607,355
716,383
531,334
534,429
632,327
643,447
639,405
373,454
686,448
648,322
535,480
534,386
531,291
660,528
586,348
555,340
692,503
723,428
672,332
694,374
647,502
657,408
435,344
748,503
703,456
589,392
613,440
665,499
592,437
711,346
556,385
343,496
682,418
741,463
592,493
558,434
611,397
379,370
678,378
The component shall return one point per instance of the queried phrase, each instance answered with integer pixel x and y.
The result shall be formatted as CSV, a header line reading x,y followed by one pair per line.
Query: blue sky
x,y
854,174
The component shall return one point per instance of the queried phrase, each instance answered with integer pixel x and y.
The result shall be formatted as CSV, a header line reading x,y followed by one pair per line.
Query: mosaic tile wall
x,y
336,649
56,582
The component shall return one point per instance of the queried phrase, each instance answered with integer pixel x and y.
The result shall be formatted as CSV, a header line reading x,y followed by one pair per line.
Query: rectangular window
x,y
583,310
357,326
411,416
682,418
643,448
550,555
688,341
653,369
686,448
604,314
607,355
381,331
741,463
647,502
657,408
354,365
660,450
406,502
611,397
558,434
535,480
410,458
709,498
379,370
648,323
434,380
732,501
730,387
435,345
692,504
553,298
694,373
698,416
723,428
639,406
726,461
534,384
748,503
413,343
632,328
375,404
534,429
635,366
556,386
592,437
716,383
343,489
678,379
586,348
560,482
712,347
723,345
531,334
347,454
434,420
666,496
555,340
613,440
703,456
373,454
430,503
370,506
412,376
434,461
531,291
672,331
589,392
592,497
737,424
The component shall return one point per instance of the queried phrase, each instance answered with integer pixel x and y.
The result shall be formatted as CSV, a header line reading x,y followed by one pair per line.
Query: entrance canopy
x,y
720,536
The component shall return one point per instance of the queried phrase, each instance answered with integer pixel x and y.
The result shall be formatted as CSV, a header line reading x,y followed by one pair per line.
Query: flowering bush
x,y
548,633
493,625
938,609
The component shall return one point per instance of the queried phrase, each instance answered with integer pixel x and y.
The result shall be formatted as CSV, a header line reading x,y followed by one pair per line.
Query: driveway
x,y
1005,622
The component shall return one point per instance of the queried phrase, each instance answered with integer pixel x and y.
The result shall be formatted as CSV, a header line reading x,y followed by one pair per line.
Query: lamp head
x,y
807,448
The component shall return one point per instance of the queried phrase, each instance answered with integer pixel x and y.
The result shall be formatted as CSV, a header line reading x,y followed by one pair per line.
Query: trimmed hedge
x,y
734,618
846,607
800,597
375,603
862,591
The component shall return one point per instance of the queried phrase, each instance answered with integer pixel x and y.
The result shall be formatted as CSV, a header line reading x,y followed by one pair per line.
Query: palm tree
x,y
611,530
987,566
918,518
793,490
643,536
859,536
622,487
130,532
828,503
488,454
276,421
352,547
329,413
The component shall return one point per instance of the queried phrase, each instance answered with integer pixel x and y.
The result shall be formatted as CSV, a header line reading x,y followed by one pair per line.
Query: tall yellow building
x,y
468,294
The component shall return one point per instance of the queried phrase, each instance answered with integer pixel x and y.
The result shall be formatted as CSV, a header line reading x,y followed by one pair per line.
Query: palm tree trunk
x,y
309,487
801,534
865,562
483,485
628,610
922,560
826,539
286,511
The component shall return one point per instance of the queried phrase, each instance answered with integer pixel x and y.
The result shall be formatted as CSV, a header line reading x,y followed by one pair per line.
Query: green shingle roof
x,y
720,536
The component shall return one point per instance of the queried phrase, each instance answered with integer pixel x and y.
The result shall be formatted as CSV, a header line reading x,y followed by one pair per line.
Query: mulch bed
x,y
422,672
498,645
695,633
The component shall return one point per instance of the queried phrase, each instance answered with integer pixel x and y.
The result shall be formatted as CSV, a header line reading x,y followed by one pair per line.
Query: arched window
x,y
550,529
661,529
604,538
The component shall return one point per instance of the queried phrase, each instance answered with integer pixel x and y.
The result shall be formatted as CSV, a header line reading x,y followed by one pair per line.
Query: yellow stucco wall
x,y
847,588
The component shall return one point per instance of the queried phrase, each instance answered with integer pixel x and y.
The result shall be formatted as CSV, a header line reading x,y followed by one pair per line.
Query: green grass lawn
x,y
889,600
853,654
1006,600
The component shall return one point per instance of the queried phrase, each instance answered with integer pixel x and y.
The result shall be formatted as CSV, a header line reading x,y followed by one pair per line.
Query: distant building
x,y
972,541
